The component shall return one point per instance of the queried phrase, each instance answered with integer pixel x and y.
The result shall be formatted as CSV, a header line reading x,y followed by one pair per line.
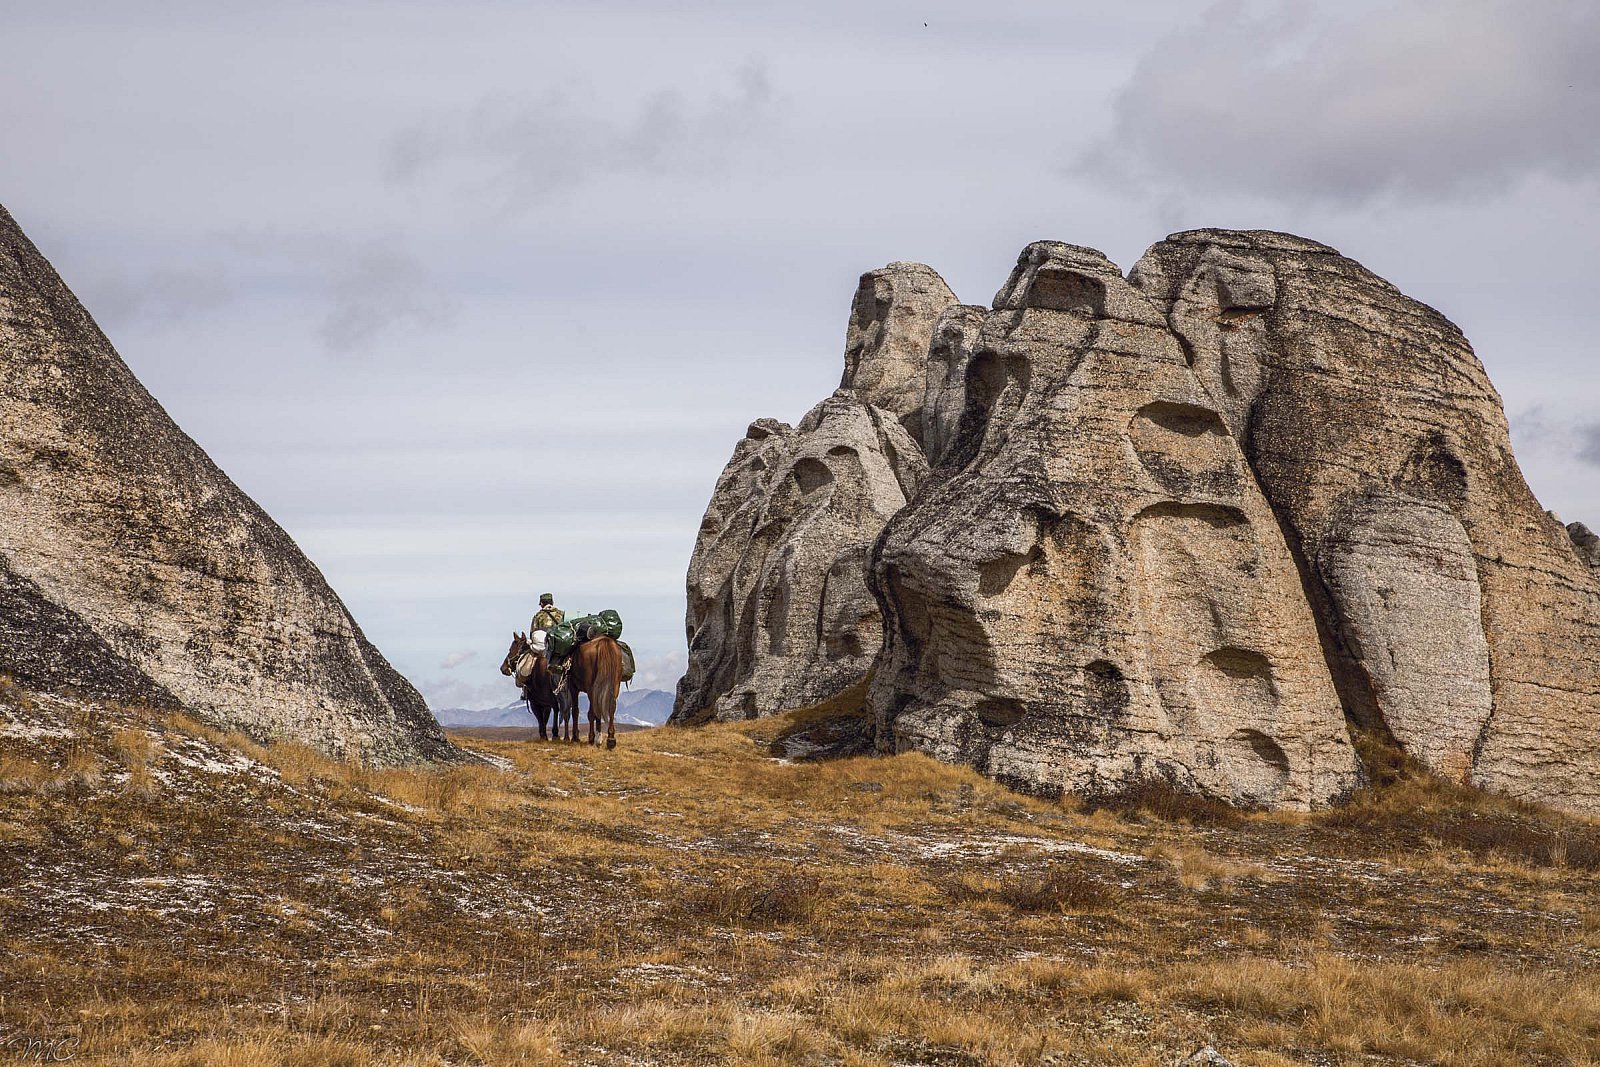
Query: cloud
x,y
1589,443
1361,102
161,296
363,287
1539,431
510,153
376,287
456,659
661,672
441,693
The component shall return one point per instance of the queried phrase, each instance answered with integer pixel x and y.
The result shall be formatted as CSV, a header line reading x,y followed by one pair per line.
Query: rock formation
x,y
1456,613
886,344
132,568
1196,524
1587,544
1100,592
779,613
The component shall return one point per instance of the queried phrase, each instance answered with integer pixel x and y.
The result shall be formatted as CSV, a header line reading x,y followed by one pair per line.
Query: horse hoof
x,y
611,742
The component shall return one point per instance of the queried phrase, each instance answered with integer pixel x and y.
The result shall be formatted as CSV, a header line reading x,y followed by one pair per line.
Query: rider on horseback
x,y
549,615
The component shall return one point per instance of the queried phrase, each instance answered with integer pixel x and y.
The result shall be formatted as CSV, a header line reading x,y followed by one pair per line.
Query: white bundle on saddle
x,y
527,661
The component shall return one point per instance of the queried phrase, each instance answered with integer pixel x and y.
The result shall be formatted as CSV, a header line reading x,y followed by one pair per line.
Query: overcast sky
x,y
476,298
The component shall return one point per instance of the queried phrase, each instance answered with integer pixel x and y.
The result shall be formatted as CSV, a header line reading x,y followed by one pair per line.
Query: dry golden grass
x,y
688,900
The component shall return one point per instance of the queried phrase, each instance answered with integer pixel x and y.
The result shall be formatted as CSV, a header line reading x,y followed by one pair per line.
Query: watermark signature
x,y
22,1048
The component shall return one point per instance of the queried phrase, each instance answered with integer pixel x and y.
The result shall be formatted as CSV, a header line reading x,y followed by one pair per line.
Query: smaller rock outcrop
x,y
779,613
1190,524
1586,542
132,568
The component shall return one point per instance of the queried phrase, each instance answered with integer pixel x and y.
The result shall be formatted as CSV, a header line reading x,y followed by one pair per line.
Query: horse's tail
x,y
607,679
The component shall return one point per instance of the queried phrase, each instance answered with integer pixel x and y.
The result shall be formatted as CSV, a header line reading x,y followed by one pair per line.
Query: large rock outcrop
x,y
132,568
1196,524
779,613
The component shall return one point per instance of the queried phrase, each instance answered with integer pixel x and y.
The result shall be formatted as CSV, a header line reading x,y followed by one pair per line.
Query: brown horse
x,y
597,670
540,690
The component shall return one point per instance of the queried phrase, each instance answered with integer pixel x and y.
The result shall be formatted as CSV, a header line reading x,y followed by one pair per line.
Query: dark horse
x,y
597,670
540,691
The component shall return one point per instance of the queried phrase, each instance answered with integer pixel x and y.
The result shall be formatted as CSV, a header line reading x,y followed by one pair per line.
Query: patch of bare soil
x,y
173,896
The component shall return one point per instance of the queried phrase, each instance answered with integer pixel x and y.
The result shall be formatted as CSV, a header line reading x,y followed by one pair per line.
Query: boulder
x,y
132,568
1454,613
886,343
1095,591
1587,544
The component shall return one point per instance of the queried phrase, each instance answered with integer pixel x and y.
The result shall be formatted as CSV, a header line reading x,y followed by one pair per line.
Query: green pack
x,y
605,624
560,640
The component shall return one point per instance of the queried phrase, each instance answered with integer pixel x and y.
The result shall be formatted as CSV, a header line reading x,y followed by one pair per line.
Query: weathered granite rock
x,y
1587,544
886,343
948,355
779,611
1454,611
1098,591
1191,524
131,567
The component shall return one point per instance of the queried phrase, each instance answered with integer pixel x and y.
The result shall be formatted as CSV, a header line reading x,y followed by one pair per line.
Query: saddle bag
x,y
627,661
525,665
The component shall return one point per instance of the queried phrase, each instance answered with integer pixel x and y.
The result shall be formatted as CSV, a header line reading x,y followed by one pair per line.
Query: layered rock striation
x,y
132,568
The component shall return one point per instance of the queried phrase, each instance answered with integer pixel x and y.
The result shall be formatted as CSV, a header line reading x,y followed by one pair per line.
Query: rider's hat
x,y
546,598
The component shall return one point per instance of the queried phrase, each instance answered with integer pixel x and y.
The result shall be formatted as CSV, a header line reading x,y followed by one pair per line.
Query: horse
x,y
597,670
540,690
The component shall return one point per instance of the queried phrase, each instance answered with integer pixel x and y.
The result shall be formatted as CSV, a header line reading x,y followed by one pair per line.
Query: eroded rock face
x,y
886,343
1100,593
131,567
1191,524
1587,544
948,355
1454,610
780,614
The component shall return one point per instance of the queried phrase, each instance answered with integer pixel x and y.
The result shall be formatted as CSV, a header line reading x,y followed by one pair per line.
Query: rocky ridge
x,y
132,568
1195,523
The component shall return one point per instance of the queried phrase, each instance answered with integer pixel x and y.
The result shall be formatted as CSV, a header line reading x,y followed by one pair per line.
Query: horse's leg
x,y
611,714
594,714
573,711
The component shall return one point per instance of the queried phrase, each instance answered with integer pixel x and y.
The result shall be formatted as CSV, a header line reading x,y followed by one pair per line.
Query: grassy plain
x,y
174,897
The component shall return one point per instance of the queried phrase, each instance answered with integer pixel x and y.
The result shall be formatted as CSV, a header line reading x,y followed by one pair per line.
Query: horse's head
x,y
519,645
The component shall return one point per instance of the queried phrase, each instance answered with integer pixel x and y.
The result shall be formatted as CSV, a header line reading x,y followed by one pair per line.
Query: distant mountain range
x,y
635,707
